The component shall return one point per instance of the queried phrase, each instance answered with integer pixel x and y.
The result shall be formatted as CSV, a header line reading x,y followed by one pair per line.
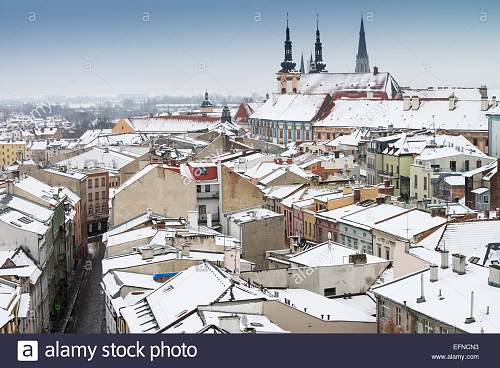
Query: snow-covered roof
x,y
455,180
283,170
296,107
250,215
20,221
197,285
322,307
322,83
467,115
328,254
480,190
39,189
97,158
471,239
173,124
114,281
409,224
368,217
449,298
30,209
281,191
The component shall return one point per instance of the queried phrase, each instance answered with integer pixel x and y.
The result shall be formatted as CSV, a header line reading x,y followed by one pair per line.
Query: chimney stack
x,y
458,263
406,103
375,70
452,101
147,253
421,299
483,91
433,269
494,102
415,102
471,318
185,249
230,323
484,103
444,259
494,276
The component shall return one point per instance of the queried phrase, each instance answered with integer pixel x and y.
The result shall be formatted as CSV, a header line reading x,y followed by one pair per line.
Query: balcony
x,y
387,174
207,195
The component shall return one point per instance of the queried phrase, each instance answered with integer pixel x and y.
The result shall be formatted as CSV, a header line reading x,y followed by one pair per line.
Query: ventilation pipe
x,y
421,299
471,319
433,269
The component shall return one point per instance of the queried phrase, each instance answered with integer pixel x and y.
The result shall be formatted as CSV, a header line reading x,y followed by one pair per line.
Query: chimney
x,y
452,100
433,269
415,102
230,323
149,212
193,218
147,253
483,92
406,103
185,249
484,103
494,277
232,259
421,299
357,259
375,70
458,261
494,102
444,259
471,318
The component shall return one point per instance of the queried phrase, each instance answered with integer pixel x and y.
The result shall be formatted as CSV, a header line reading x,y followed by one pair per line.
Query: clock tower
x,y
288,78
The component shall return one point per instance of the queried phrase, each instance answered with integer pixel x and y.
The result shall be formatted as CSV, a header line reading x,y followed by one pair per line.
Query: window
x,y
330,292
319,136
478,164
387,253
443,330
198,188
474,142
427,327
90,197
289,134
96,182
486,199
453,165
89,183
104,208
466,165
415,182
398,316
103,194
91,210
103,182
425,182
328,136
207,188
96,196
202,210
384,310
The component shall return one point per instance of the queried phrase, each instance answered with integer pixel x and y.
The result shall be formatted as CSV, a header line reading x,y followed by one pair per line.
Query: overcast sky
x,y
105,48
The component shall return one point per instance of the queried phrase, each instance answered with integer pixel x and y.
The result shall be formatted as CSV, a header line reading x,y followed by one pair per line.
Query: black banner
x,y
247,350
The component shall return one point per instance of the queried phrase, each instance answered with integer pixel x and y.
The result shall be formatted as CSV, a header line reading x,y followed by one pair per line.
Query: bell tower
x,y
288,78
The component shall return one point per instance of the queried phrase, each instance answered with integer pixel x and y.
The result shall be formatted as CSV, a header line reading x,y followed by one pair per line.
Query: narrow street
x,y
88,313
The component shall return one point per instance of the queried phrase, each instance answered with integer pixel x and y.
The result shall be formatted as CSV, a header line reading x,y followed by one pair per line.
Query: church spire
x,y
362,63
302,68
287,65
318,51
